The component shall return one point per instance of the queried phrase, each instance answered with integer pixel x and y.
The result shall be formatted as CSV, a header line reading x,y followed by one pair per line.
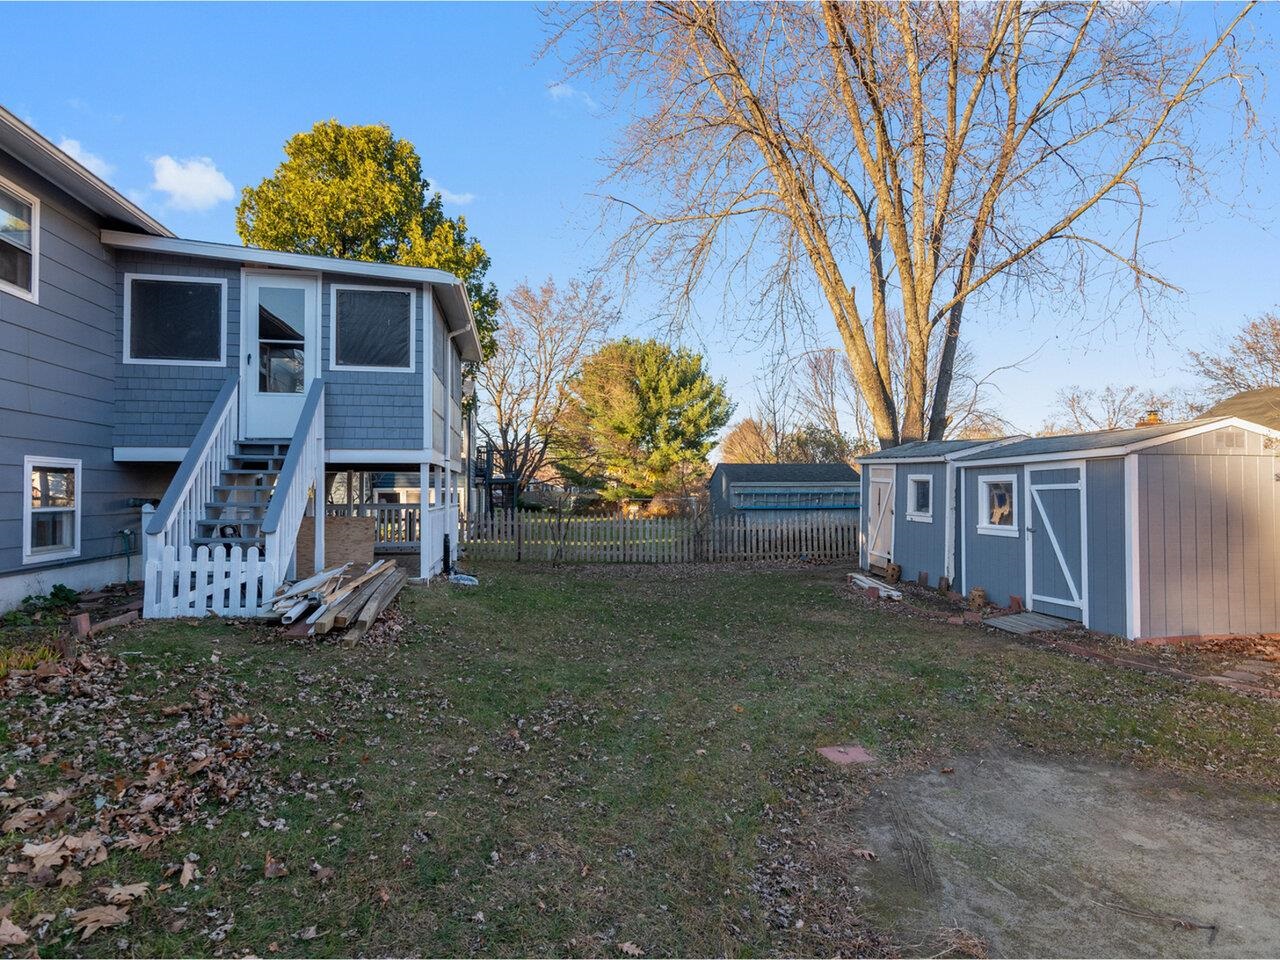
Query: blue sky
x,y
182,105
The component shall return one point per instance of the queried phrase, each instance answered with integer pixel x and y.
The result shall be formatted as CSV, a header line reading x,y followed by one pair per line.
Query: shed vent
x,y
1231,438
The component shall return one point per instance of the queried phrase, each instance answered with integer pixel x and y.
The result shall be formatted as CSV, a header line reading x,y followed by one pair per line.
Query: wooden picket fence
x,y
547,537
230,582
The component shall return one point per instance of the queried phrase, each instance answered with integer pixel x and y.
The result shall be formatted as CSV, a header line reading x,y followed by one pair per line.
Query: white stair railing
x,y
302,471
174,522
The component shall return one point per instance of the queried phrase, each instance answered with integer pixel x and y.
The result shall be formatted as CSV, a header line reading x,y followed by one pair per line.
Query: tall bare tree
x,y
1248,361
542,337
932,152
1112,407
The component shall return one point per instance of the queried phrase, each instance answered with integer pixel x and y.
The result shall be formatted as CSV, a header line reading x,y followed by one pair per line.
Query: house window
x,y
51,509
920,502
178,321
998,505
19,242
372,328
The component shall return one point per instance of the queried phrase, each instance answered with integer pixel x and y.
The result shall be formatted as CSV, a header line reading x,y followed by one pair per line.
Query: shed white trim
x,y
1132,589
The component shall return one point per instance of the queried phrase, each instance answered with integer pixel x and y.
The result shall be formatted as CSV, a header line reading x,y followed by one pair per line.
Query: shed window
x,y
998,505
920,504
19,237
372,328
51,511
174,320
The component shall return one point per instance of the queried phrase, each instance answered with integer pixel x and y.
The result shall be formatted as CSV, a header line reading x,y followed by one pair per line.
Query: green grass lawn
x,y
581,760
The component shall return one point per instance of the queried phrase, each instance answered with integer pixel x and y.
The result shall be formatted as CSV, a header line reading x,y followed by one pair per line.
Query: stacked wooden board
x,y
349,597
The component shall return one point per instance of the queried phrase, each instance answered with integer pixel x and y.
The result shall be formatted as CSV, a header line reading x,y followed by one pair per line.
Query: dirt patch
x,y
1038,857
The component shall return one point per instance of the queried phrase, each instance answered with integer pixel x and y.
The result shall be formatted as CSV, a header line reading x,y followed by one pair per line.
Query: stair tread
x,y
247,470
230,521
240,541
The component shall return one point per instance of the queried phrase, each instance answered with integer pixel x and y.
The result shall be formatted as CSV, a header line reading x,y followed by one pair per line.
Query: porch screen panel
x,y
175,320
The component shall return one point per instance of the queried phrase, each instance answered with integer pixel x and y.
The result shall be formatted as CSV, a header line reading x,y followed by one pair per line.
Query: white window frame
x,y
337,367
32,295
47,556
912,513
128,356
991,529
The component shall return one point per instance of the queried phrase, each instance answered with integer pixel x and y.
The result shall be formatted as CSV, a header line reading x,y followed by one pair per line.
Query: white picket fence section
x,y
532,536
228,581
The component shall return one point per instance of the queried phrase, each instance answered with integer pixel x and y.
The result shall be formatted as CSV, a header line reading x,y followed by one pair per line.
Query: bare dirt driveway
x,y
1044,857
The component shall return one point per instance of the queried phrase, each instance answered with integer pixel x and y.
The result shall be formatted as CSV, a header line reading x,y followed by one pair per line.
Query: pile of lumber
x,y
875,587
350,597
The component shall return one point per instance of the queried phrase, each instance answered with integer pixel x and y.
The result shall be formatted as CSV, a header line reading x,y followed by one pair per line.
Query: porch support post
x,y
424,523
321,501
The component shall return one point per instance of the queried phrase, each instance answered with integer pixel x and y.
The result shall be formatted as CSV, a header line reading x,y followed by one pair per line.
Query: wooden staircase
x,y
234,517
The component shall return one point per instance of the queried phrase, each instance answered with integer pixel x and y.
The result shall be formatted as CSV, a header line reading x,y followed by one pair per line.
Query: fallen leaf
x,y
325,874
90,921
10,782
22,821
948,769
122,895
630,949
69,877
274,868
189,873
238,719
12,935
864,855
310,933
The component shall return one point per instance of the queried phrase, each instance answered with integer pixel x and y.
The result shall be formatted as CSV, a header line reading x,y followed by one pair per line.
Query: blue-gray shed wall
x,y
920,546
995,563
1108,543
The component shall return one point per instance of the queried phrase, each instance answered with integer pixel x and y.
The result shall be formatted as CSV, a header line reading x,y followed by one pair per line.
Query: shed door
x,y
1057,556
880,517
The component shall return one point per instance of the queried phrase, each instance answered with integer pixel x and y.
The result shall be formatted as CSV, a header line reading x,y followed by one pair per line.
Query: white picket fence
x,y
539,536
228,581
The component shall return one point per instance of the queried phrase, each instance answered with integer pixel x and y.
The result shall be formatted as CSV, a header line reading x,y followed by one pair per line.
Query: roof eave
x,y
56,166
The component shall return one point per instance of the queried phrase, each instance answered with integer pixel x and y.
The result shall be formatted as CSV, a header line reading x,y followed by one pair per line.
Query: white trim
x,y
308,282
912,513
148,454
873,459
334,365
990,529
347,455
1132,556
126,354
428,365
46,556
1084,543
964,534
32,295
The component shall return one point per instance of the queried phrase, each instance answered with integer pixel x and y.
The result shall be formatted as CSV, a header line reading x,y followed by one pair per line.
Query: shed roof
x,y
1259,406
787,472
1085,442
925,449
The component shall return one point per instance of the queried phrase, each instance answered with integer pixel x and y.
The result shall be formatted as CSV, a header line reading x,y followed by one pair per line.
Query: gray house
x,y
763,490
1167,530
218,384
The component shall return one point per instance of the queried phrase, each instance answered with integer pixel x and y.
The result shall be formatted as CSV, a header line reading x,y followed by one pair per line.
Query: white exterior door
x,y
880,517
280,336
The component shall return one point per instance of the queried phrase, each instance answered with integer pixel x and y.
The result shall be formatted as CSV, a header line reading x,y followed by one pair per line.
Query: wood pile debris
x,y
350,597
877,588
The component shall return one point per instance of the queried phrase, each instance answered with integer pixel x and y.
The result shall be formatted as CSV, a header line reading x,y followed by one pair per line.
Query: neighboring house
x,y
765,490
1166,530
218,381
1260,406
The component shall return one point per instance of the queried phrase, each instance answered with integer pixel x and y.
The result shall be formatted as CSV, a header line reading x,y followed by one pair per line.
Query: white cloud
x,y
94,163
565,91
191,184
458,199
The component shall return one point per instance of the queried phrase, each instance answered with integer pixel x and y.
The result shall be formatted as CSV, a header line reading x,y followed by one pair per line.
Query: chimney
x,y
1150,419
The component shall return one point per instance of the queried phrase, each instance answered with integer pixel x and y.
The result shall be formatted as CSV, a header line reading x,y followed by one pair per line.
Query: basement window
x,y
920,498
51,510
372,328
176,321
19,242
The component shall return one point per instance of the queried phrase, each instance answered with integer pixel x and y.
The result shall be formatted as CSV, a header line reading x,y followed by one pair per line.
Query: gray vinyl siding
x,y
57,382
919,546
995,563
372,410
1209,532
1108,543
163,405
